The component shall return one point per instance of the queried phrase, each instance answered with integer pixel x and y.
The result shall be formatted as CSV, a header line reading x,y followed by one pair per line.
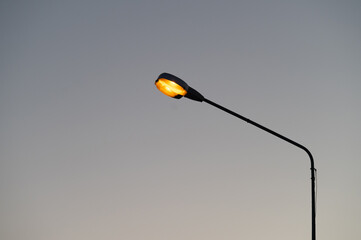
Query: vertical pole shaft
x,y
313,194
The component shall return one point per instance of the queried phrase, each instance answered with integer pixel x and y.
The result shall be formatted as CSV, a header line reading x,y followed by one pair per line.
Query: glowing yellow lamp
x,y
175,87
171,85
170,88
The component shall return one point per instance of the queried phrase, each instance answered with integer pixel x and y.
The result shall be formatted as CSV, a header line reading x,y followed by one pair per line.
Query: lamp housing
x,y
175,87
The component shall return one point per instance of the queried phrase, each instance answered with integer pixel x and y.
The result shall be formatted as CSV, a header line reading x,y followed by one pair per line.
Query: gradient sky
x,y
89,149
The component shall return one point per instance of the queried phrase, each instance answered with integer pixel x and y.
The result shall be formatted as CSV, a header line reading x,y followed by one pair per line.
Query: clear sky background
x,y
89,149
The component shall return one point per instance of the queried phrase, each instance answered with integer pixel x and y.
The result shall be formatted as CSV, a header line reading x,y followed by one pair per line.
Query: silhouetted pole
x,y
175,87
313,192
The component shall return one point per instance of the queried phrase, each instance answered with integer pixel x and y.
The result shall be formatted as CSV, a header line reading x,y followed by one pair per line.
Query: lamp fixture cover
x,y
171,85
175,87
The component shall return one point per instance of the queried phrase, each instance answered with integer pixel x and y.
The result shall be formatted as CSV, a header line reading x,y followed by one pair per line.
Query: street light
x,y
175,87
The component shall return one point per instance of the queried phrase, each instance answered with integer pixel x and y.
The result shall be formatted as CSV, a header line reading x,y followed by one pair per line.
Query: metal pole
x,y
313,192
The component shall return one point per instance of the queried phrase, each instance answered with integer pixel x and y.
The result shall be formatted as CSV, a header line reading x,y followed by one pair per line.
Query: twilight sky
x,y
89,149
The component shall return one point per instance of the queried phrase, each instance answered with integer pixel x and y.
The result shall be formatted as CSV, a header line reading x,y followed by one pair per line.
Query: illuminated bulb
x,y
170,88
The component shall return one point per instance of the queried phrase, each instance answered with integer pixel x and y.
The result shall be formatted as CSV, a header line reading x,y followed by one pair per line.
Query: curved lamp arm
x,y
313,192
263,128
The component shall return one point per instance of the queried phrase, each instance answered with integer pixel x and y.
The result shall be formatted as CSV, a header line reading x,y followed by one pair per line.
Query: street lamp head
x,y
175,87
171,85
